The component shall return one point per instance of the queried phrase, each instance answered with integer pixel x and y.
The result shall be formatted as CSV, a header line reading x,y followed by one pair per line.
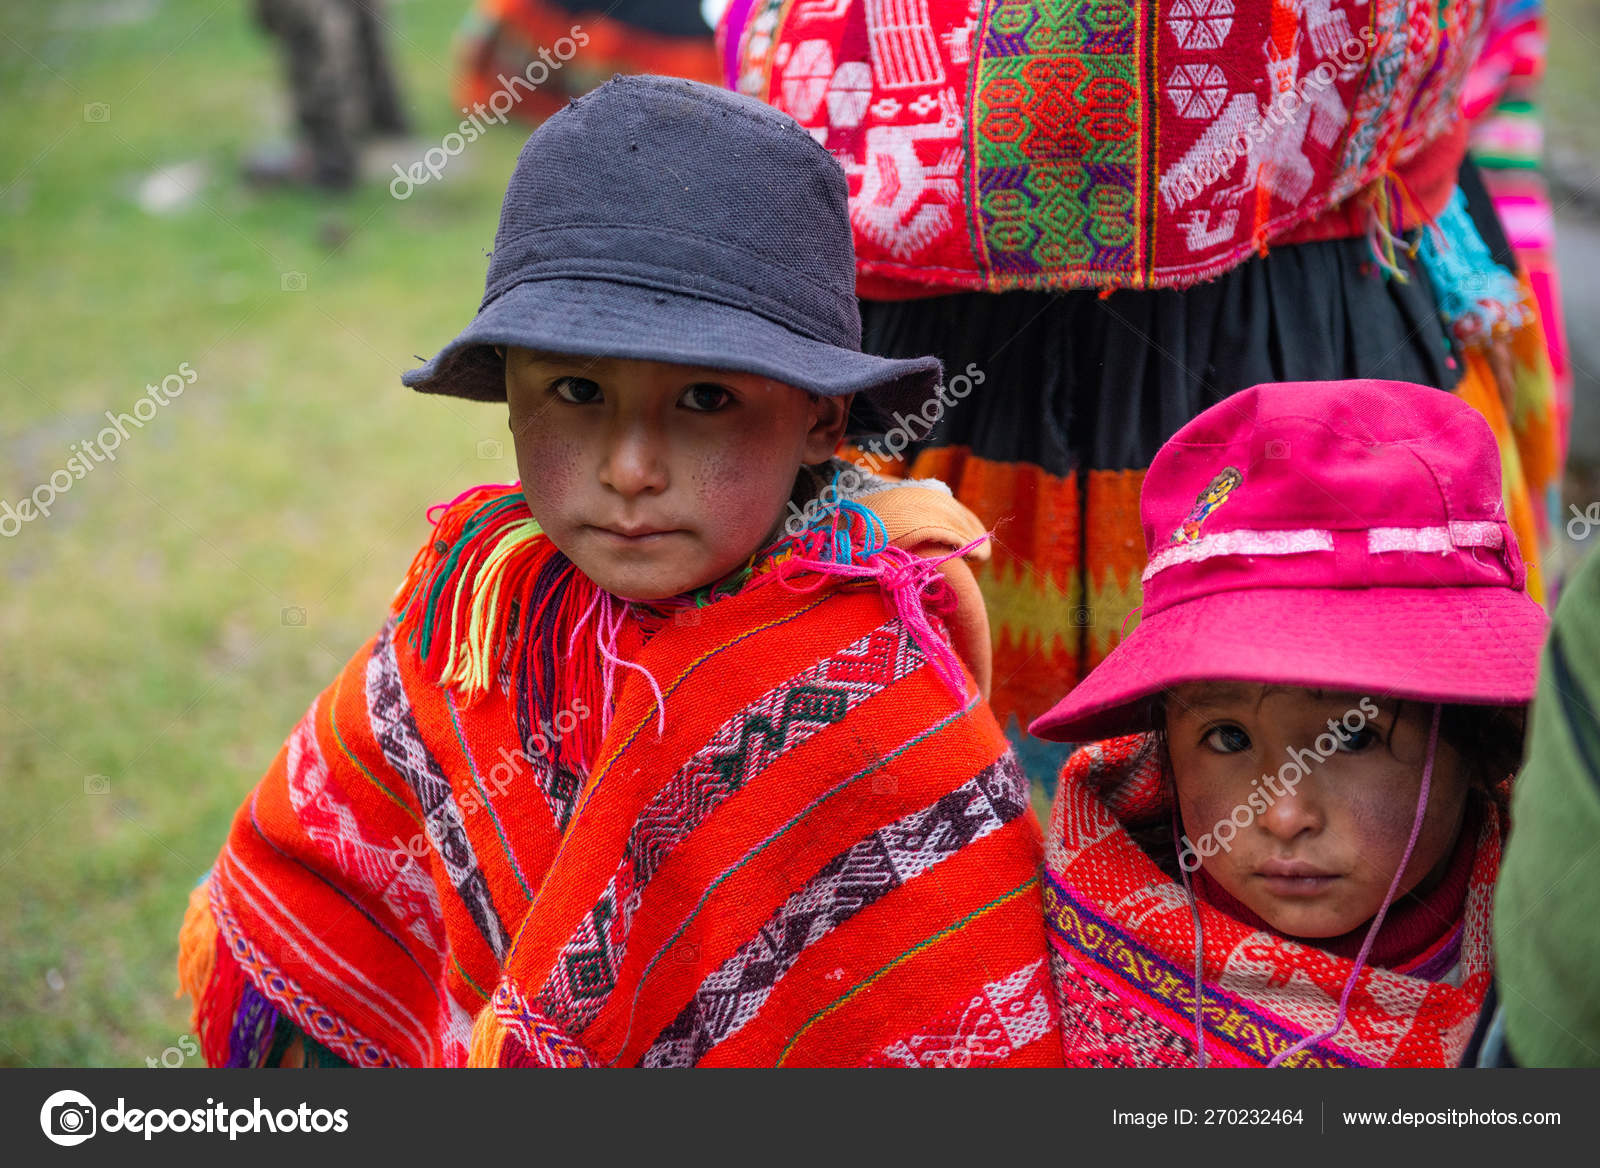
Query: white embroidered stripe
x,y
1241,543
1310,539
1435,539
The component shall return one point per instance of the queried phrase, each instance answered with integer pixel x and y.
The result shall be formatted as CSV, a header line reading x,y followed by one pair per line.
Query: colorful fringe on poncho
x,y
1493,316
1122,937
755,828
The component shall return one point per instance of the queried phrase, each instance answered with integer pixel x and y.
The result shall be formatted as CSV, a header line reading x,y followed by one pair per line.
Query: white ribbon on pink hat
x,y
1244,542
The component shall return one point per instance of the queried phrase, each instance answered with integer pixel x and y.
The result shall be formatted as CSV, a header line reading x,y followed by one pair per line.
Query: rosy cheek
x,y
1202,803
736,473
1446,805
1204,810
550,469
722,472
1378,824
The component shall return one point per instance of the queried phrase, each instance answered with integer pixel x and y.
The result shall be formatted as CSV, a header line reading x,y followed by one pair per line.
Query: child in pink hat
x,y
1281,843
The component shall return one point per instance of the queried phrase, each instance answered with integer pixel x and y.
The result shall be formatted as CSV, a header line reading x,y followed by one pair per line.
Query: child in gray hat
x,y
677,751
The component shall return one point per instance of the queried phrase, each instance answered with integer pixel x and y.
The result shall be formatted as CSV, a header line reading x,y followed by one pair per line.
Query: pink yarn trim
x,y
607,626
903,577
441,508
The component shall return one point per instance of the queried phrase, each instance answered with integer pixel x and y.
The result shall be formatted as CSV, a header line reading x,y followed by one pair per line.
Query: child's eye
x,y
1226,739
576,390
706,397
1358,741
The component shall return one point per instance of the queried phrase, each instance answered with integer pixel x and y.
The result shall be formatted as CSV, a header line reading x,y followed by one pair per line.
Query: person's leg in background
x,y
385,111
319,41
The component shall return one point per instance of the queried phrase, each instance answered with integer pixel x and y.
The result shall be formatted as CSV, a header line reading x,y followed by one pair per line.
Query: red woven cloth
x,y
1152,143
825,858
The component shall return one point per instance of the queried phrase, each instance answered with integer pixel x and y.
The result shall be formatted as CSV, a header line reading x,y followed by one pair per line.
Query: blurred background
x,y
168,220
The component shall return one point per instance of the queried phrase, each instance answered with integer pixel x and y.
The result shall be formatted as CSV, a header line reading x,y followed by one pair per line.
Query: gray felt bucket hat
x,y
665,220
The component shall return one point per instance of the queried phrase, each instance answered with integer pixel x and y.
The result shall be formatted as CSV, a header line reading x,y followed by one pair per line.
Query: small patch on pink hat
x,y
1214,496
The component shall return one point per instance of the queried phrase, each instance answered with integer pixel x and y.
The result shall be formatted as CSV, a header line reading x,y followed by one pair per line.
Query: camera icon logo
x,y
96,785
1277,448
686,618
292,282
68,1118
97,111
686,952
293,617
1081,617
491,448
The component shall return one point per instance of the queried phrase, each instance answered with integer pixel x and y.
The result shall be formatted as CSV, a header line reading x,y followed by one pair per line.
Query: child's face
x,y
657,479
1311,850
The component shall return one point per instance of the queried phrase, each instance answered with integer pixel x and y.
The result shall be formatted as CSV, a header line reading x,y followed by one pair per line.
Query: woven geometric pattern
x,y
997,144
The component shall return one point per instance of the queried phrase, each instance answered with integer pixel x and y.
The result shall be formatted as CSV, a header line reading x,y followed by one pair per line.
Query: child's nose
x,y
634,462
1292,813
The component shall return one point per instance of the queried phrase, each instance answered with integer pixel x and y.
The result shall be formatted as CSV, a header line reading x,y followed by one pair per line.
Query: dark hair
x,y
1489,740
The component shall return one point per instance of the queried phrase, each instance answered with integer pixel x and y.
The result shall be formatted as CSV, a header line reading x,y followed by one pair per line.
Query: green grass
x,y
142,634
1570,86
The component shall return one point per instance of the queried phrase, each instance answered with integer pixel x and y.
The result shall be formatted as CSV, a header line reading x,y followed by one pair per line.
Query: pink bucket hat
x,y
1336,534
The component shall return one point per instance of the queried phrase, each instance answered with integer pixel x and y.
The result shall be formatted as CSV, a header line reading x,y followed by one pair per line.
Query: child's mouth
x,y
1294,878
1298,886
636,537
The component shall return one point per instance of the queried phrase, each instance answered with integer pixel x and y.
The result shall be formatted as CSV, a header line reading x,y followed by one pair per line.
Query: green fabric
x,y
1547,908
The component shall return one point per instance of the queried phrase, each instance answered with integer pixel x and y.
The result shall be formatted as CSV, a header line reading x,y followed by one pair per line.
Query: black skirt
x,y
1073,381
663,17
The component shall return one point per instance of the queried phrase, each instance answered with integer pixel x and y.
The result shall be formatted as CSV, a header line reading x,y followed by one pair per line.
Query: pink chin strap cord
x,y
1199,944
1366,944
